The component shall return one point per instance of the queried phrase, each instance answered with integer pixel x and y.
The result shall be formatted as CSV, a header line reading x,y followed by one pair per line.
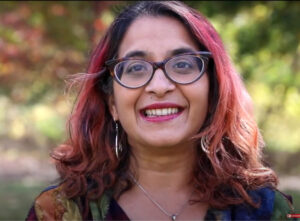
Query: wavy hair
x,y
223,176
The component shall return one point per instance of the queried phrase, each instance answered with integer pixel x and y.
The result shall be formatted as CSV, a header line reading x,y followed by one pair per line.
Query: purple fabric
x,y
115,212
31,216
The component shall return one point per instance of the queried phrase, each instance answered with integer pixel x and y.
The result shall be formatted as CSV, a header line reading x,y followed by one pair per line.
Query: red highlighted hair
x,y
87,162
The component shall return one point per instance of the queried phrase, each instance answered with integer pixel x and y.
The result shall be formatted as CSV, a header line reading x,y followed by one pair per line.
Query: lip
x,y
160,106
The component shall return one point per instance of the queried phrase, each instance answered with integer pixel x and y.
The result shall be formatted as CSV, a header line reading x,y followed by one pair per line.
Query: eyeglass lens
x,y
181,69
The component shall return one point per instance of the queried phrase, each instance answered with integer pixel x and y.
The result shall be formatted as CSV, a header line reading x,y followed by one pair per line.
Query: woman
x,y
162,129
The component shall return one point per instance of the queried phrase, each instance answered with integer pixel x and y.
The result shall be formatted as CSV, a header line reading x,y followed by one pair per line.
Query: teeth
x,y
161,112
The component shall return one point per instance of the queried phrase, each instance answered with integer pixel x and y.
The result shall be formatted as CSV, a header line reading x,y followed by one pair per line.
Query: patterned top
x,y
52,205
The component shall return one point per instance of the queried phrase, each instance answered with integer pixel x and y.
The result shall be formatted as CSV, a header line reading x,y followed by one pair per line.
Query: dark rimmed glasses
x,y
182,69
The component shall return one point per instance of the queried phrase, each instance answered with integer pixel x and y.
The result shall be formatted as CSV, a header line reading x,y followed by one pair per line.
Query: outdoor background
x,y
42,43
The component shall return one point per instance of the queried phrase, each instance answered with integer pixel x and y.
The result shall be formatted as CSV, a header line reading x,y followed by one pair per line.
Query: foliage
x,y
18,199
263,40
41,43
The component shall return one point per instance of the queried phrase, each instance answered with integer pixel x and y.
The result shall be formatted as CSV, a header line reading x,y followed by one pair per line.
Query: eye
x,y
136,67
182,65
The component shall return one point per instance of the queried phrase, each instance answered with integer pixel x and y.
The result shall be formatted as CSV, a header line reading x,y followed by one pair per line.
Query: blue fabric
x,y
50,188
226,214
265,198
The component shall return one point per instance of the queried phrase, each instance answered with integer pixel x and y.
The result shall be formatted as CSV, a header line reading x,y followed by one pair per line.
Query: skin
x,y
163,151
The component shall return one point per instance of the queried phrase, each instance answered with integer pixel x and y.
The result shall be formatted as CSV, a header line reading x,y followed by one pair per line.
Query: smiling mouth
x,y
161,112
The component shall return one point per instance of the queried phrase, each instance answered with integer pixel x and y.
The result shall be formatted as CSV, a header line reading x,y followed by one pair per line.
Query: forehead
x,y
157,36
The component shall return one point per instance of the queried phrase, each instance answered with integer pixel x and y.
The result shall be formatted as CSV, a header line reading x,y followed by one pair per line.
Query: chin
x,y
165,143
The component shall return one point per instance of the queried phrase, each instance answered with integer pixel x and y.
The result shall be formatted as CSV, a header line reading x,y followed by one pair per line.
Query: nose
x,y
160,84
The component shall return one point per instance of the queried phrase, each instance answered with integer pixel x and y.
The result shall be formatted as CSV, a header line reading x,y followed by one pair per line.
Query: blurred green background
x,y
42,43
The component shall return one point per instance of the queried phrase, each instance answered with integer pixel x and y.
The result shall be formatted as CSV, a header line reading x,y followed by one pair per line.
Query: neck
x,y
164,168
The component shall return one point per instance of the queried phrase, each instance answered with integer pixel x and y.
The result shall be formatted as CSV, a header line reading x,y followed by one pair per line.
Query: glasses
x,y
182,69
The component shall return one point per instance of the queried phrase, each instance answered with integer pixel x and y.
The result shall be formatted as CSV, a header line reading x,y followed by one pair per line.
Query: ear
x,y
112,107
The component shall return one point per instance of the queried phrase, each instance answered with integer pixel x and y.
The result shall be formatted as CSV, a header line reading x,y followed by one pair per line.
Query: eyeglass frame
x,y
204,56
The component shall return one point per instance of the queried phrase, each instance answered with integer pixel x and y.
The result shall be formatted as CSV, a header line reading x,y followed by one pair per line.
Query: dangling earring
x,y
118,147
204,144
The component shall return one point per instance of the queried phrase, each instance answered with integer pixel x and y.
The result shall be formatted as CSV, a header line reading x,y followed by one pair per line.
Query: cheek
x,y
125,103
197,95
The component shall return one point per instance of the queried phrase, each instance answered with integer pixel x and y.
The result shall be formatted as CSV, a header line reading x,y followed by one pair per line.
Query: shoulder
x,y
282,206
52,204
272,204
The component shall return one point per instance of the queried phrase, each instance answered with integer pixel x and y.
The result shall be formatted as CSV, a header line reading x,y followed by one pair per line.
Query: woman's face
x,y
155,39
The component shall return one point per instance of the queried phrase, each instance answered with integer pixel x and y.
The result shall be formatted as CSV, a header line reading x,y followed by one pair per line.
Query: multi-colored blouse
x,y
51,204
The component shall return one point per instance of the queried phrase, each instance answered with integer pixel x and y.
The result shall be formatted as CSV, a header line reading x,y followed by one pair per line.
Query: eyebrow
x,y
143,54
136,54
182,51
